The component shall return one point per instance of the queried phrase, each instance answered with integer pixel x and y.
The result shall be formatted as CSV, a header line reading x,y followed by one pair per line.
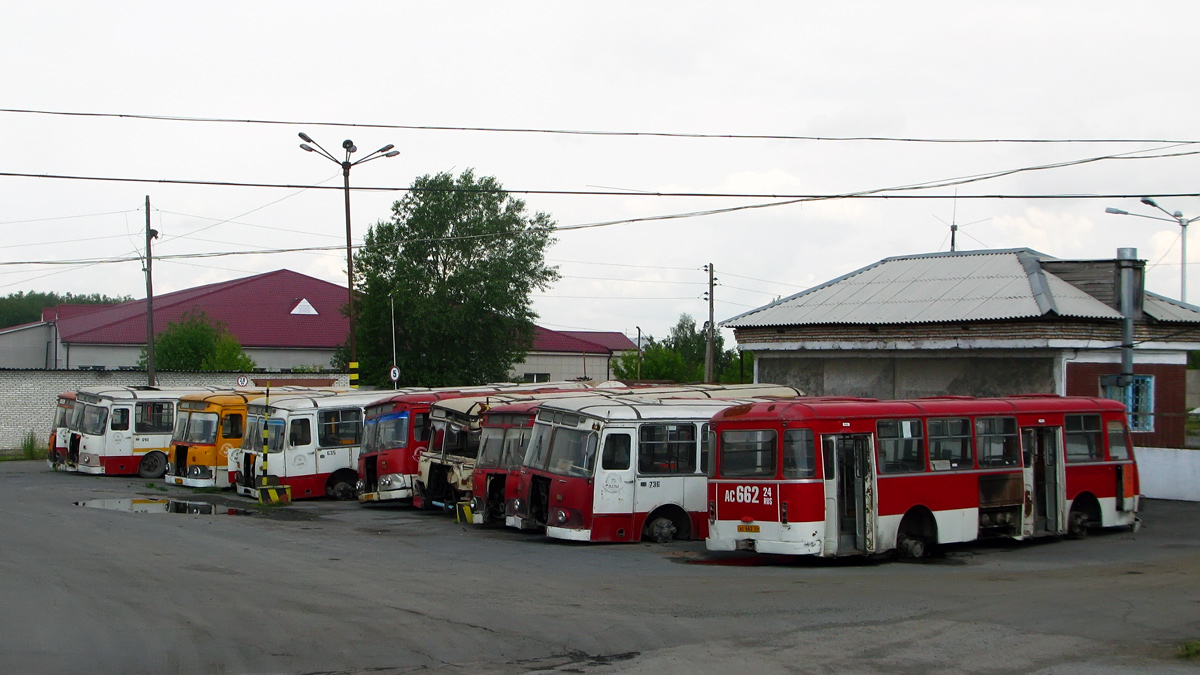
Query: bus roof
x,y
317,400
118,393
835,407
637,408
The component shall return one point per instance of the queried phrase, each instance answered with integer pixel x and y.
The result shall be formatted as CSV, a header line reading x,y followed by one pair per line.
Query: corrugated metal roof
x,y
934,288
1169,311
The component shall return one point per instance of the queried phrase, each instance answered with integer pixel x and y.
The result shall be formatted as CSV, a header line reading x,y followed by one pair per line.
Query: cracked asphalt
x,y
333,587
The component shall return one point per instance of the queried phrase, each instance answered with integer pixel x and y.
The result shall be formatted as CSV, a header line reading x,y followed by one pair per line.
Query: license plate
x,y
747,528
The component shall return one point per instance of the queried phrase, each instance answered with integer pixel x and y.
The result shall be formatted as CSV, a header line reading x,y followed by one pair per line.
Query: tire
x,y
1077,524
662,530
341,490
153,465
912,547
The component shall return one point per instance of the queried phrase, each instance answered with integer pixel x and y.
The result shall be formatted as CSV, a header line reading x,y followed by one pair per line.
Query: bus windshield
x,y
93,419
275,435
76,417
515,440
491,443
62,415
572,452
253,439
387,432
196,427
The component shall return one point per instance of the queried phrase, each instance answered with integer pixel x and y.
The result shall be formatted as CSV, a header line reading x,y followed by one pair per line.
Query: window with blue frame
x,y
1139,399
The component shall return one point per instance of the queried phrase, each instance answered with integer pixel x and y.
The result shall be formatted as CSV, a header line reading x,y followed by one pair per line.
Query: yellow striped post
x,y
354,374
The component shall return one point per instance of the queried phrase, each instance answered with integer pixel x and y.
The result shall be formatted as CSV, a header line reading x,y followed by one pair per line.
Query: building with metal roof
x,y
979,323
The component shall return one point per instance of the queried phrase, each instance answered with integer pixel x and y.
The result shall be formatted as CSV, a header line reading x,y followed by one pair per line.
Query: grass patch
x,y
1189,650
31,448
156,486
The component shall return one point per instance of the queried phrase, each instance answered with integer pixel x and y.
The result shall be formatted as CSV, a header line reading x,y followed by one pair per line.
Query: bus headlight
x,y
359,486
476,505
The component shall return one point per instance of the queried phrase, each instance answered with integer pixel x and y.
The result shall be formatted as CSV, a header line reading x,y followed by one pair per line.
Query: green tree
x,y
680,357
459,259
21,307
196,343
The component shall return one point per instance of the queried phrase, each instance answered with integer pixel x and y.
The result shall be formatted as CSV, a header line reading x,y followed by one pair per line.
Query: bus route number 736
x,y
749,494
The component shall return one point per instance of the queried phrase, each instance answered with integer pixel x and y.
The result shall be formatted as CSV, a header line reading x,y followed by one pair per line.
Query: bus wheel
x,y
917,533
1077,524
662,530
911,547
153,465
341,486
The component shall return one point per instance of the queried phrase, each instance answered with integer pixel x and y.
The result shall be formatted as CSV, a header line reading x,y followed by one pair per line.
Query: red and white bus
x,y
125,431
504,435
618,468
397,430
505,432
313,443
60,434
840,477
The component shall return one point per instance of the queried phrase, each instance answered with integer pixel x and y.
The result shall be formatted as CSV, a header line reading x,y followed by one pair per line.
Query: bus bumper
x,y
568,533
772,537
392,486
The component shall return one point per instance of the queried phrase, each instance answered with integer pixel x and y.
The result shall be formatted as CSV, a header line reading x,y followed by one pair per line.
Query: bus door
x,y
1043,479
120,435
849,494
301,452
615,487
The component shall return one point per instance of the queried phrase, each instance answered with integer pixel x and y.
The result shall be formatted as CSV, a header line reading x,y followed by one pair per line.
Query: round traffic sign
x,y
243,380
394,374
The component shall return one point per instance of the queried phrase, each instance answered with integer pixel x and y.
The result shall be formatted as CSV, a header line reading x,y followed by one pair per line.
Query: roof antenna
x,y
954,223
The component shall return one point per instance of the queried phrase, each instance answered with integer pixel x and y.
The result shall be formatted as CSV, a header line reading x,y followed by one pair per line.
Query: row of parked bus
x,y
743,467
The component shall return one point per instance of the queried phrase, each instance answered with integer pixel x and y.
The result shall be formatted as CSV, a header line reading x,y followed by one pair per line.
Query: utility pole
x,y
150,235
639,346
708,347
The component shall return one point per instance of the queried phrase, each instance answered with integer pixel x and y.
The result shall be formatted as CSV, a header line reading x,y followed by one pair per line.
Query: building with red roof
x,y
571,355
283,320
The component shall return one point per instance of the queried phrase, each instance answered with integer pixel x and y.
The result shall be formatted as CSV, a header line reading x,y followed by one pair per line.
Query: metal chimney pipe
x,y
1127,261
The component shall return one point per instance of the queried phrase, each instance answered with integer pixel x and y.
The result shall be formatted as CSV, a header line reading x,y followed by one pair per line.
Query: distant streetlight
x,y
1176,217
346,164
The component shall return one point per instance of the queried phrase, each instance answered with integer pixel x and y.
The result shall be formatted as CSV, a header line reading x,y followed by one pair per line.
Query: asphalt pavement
x,y
334,587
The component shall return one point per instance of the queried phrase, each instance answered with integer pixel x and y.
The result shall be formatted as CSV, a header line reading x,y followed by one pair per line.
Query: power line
x,y
584,132
85,215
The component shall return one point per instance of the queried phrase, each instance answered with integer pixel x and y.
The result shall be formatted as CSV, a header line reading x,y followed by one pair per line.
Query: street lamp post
x,y
1176,217
346,164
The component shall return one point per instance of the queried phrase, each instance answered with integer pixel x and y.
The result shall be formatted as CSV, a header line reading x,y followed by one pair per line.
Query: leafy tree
x,y
680,357
459,259
196,343
21,307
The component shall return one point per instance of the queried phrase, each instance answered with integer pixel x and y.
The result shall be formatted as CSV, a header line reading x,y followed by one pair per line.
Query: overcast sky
x,y
1032,70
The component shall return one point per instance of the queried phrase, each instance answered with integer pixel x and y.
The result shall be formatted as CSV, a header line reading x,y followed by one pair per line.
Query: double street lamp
x,y
346,164
1176,217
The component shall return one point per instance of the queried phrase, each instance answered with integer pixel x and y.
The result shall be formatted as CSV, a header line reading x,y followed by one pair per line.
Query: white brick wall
x,y
27,397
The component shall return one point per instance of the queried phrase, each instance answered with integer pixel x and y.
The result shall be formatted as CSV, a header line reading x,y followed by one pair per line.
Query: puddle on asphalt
x,y
146,505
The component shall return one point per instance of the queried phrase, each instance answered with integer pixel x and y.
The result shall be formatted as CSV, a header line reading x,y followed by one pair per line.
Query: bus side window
x,y
1118,449
120,419
799,454
616,452
828,449
300,434
1083,438
421,427
231,426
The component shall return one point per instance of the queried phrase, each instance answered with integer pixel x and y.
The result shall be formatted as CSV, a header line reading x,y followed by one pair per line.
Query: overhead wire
x,y
578,132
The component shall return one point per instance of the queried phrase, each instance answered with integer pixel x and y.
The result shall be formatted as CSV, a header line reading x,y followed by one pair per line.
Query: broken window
x,y
901,446
748,452
950,443
1083,438
339,427
799,454
997,442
